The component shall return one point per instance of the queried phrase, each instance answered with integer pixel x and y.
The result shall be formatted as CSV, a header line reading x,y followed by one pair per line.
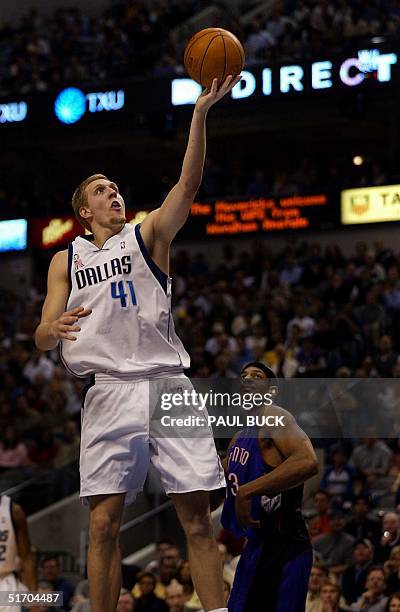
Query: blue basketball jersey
x,y
280,513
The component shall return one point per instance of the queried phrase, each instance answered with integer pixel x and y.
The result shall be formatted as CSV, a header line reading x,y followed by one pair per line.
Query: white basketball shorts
x,y
121,434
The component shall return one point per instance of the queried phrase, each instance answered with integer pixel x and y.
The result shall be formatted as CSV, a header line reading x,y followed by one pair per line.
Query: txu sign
x,y
71,104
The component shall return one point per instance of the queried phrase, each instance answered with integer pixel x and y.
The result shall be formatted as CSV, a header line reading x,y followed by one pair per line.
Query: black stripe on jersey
x,y
158,273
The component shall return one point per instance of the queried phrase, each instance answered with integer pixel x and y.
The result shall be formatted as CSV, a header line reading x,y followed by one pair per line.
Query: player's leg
x,y
294,584
193,510
104,557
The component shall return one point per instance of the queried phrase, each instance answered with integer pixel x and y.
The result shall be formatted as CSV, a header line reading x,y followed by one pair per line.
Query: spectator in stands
x,y
320,524
318,575
258,186
360,526
161,547
330,597
373,599
69,446
371,316
51,574
304,322
39,368
125,602
391,568
220,341
334,550
44,449
391,293
353,579
13,452
337,479
175,597
45,588
310,358
390,536
192,601
148,601
291,273
386,357
393,604
372,457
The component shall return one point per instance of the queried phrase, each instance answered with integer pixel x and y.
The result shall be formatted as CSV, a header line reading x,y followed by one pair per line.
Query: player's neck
x,y
102,234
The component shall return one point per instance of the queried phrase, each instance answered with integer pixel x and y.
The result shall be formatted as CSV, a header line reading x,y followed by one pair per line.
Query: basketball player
x,y
14,545
116,286
266,469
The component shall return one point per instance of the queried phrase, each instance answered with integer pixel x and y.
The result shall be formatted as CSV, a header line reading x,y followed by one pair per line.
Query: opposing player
x,y
266,468
15,545
116,292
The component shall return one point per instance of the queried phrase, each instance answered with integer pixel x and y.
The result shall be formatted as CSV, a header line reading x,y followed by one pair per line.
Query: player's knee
x,y
199,528
103,529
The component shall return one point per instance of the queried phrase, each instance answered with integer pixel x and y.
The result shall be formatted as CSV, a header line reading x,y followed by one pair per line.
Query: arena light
x,y
13,112
13,235
184,91
358,160
370,205
326,74
71,104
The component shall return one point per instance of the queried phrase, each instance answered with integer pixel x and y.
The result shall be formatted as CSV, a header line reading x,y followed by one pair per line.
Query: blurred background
x,y
291,254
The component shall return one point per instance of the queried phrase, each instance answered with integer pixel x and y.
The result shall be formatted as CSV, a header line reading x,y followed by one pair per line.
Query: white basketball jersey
x,y
8,543
130,329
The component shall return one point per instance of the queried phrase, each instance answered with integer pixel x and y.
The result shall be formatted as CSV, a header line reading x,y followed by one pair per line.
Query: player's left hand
x,y
243,510
210,96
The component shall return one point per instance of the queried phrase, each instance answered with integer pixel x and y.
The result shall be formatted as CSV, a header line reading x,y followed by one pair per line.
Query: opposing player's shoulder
x,y
278,411
281,422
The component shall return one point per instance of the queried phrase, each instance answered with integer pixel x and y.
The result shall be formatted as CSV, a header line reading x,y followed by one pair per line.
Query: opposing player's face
x,y
253,373
105,205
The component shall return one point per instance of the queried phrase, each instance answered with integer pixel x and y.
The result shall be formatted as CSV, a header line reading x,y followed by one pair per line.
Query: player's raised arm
x,y
55,323
299,464
171,216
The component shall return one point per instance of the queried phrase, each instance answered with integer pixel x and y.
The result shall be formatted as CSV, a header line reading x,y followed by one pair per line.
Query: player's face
x,y
105,205
253,373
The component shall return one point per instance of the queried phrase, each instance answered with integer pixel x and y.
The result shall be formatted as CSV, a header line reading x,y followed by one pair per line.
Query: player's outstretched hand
x,y
213,95
64,325
243,510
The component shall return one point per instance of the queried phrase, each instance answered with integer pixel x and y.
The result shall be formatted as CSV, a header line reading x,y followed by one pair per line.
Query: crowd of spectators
x,y
272,178
133,38
304,29
360,569
307,312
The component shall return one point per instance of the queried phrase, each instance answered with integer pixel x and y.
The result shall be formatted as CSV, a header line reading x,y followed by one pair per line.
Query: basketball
x,y
213,53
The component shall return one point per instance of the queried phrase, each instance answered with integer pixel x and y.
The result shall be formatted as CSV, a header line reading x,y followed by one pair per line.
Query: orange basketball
x,y
213,53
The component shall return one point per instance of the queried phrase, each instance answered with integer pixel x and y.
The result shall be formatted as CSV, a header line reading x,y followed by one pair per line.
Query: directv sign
x,y
72,104
320,75
13,112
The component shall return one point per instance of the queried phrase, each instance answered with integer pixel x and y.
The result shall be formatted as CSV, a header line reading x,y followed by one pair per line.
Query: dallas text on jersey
x,y
98,274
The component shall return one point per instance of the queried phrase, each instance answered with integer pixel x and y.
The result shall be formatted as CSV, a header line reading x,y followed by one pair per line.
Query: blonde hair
x,y
79,198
